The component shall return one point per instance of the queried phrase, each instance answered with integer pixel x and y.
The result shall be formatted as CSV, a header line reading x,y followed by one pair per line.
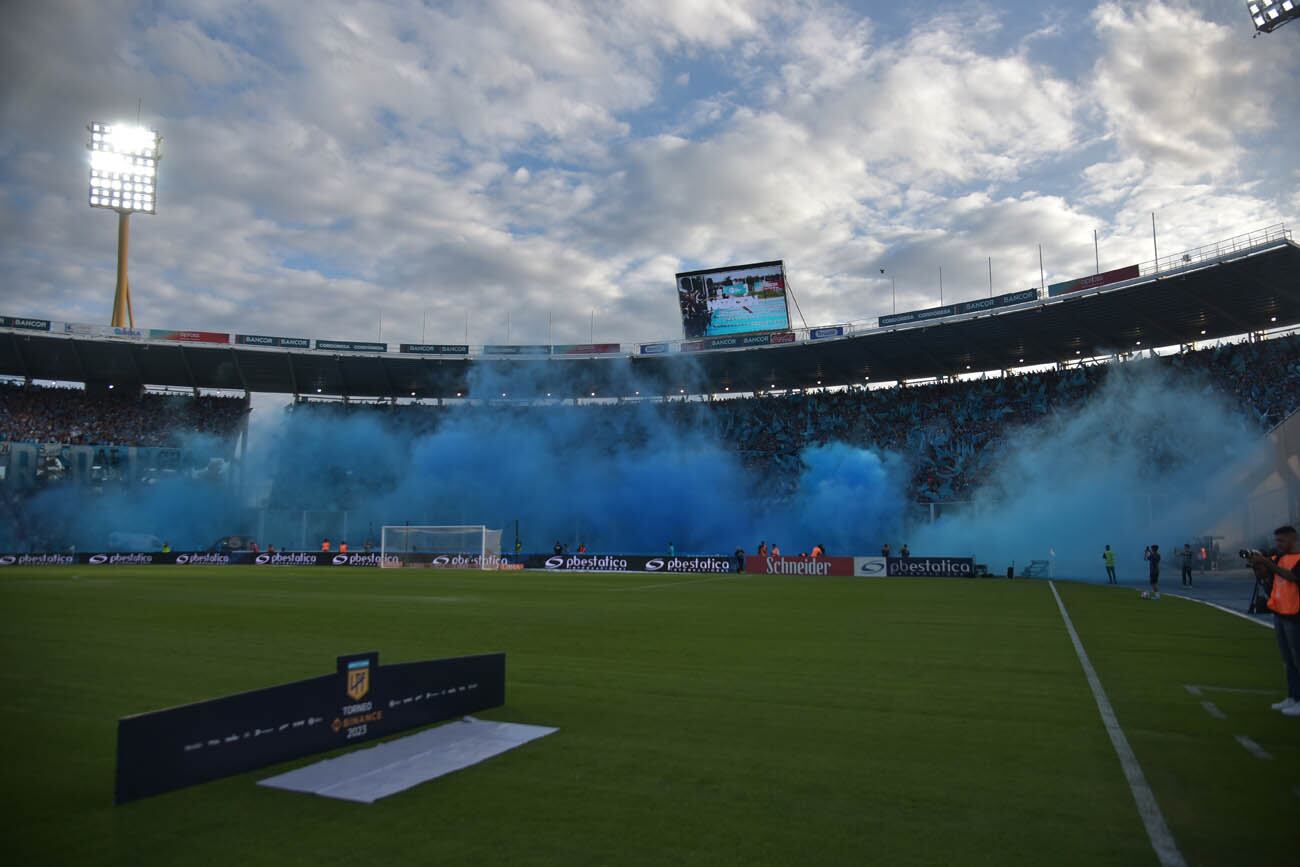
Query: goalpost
x,y
447,547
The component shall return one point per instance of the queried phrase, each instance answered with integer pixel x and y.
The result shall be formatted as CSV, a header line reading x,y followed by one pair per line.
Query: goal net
x,y
461,547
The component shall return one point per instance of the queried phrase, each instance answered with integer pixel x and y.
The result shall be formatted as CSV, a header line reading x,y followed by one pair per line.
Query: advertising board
x,y
816,567
24,322
362,700
189,336
630,563
263,340
350,346
516,349
434,348
914,567
1092,281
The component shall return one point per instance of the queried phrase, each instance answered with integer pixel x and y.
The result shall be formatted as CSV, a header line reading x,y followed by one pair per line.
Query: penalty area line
x,y
727,577
1162,839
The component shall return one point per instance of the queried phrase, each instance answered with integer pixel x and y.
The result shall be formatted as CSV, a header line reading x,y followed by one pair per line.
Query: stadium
x,y
997,580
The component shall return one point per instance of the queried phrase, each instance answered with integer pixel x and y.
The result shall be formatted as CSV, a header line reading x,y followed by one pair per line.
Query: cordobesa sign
x,y
362,700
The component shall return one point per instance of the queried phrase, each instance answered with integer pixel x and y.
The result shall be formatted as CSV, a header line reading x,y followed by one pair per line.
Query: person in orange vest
x,y
1284,602
818,551
343,547
325,544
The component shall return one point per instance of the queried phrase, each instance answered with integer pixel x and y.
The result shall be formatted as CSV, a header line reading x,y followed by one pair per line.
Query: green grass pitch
x,y
730,720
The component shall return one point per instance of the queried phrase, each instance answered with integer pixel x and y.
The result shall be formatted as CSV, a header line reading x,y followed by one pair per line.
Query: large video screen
x,y
738,299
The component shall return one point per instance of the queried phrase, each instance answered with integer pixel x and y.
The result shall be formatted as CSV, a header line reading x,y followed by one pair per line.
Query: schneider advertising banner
x,y
360,701
811,566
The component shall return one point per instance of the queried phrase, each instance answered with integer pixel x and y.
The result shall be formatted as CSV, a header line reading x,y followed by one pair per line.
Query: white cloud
x,y
327,161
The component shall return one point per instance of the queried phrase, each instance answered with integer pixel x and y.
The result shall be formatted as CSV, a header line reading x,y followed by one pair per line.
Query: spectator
x,y
1185,559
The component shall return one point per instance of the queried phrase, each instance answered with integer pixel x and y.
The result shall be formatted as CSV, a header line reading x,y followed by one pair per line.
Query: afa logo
x,y
358,679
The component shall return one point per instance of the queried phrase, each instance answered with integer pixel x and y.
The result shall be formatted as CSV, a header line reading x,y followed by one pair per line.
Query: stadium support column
x,y
122,315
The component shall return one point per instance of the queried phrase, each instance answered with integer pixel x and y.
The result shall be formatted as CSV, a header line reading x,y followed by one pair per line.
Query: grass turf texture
x,y
741,719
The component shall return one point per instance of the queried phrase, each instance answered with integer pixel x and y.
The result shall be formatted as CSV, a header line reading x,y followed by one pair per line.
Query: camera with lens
x,y
1247,553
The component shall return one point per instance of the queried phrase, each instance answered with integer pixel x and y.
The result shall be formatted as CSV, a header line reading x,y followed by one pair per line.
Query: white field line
x,y
1213,710
1162,839
727,577
1222,608
1254,749
1197,688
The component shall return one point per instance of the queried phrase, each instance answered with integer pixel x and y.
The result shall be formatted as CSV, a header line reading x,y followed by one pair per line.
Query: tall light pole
x,y
123,178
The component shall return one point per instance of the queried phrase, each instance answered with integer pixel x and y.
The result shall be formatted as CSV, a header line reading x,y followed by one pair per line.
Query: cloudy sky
x,y
329,166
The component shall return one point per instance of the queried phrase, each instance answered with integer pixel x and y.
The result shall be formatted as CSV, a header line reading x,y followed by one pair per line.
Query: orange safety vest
x,y
325,546
343,547
1285,598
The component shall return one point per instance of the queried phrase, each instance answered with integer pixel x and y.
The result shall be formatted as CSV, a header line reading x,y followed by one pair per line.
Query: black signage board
x,y
1005,300
350,346
211,558
24,322
516,349
630,563
434,348
196,743
264,340
931,567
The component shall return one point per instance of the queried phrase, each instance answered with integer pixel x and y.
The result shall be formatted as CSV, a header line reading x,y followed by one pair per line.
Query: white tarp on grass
x,y
367,775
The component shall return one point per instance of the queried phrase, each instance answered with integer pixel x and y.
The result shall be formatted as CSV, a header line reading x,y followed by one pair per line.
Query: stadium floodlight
x,y
123,178
1269,15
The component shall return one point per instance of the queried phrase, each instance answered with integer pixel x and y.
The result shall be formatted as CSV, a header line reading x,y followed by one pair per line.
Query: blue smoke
x,y
1143,461
1132,465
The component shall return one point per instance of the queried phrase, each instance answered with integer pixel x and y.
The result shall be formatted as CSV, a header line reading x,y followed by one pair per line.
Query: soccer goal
x,y
462,547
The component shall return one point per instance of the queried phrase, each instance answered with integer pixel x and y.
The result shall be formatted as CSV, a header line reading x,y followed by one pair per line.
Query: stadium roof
x,y
1234,293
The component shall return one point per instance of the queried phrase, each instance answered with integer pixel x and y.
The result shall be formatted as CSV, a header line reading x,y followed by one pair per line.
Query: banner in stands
x,y
261,340
738,341
350,346
654,348
189,336
434,348
997,301
22,322
586,349
810,566
1094,280
83,330
363,700
629,563
827,331
516,349
914,567
1005,300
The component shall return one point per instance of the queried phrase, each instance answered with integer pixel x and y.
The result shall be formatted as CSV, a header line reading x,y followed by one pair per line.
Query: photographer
x,y
1284,602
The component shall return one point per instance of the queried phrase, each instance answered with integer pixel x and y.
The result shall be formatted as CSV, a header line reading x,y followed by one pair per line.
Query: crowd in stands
x,y
72,417
948,431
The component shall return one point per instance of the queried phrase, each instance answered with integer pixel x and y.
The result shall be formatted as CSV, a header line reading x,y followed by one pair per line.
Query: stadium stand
x,y
949,431
72,416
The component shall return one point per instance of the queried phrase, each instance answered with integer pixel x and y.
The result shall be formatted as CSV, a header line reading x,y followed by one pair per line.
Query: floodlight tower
x,y
1269,15
123,178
